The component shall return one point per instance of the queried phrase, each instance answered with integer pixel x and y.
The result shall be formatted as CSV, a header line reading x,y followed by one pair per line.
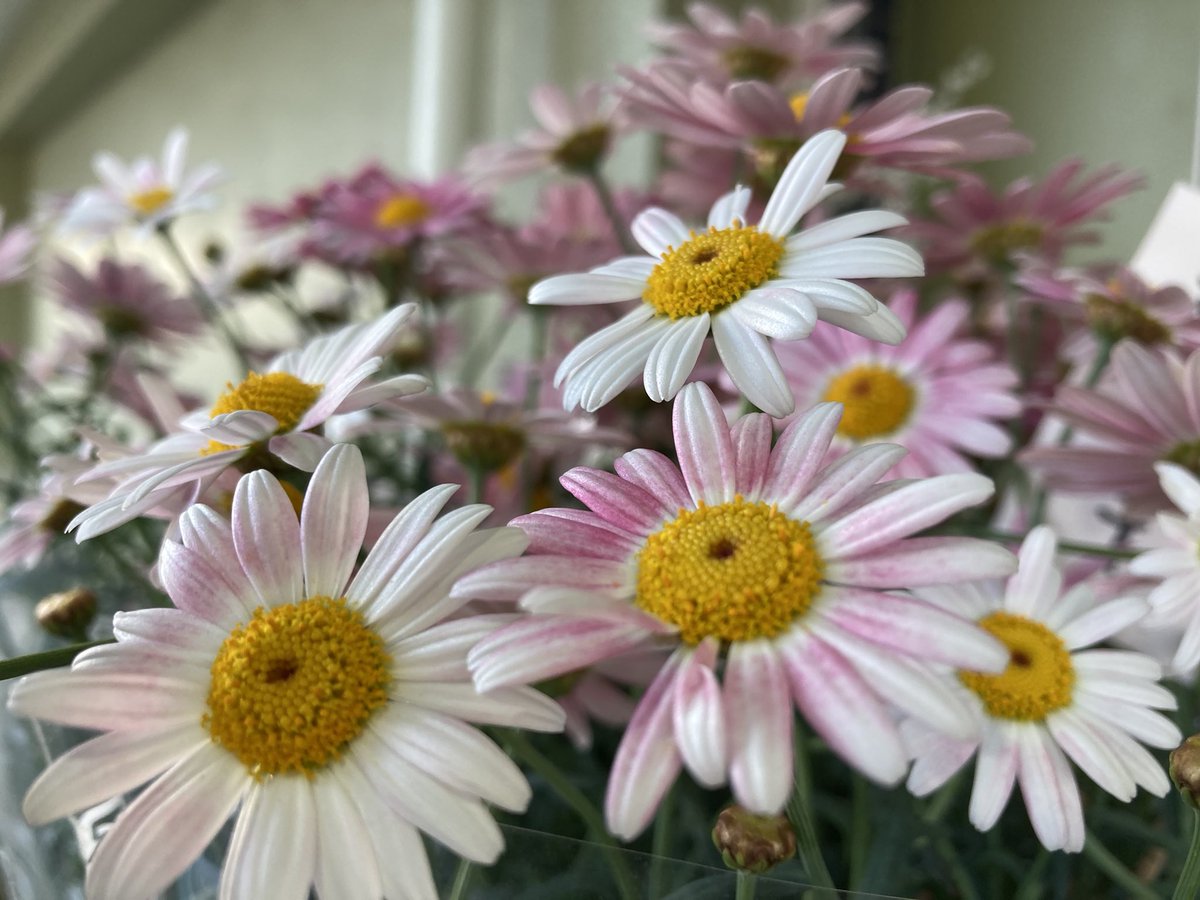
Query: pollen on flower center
x,y
711,270
736,571
150,201
401,210
295,685
1040,676
877,401
279,394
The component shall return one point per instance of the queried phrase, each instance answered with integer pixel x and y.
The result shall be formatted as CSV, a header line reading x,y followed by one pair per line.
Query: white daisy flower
x,y
1056,700
275,410
331,709
143,192
744,283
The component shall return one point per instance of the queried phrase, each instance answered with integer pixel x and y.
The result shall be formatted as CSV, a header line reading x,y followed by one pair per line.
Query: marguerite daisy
x,y
744,283
275,410
769,558
332,709
1055,700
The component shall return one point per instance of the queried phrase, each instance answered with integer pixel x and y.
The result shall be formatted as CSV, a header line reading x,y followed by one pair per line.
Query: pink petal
x,y
333,520
760,727
698,716
266,534
703,445
274,843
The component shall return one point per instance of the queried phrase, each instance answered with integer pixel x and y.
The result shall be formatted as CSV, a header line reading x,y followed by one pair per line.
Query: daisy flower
x,y
763,555
144,192
127,301
330,708
1173,560
16,250
1143,411
575,137
1056,700
744,283
276,410
718,48
937,395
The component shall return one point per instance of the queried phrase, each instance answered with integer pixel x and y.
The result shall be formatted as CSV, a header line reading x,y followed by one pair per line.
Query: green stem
x,y
860,829
1009,537
1104,860
1188,885
208,305
746,884
478,479
520,748
48,659
462,878
604,195
800,814
661,843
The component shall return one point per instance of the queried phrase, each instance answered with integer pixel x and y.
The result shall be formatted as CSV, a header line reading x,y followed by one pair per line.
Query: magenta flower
x,y
126,301
1144,411
770,553
936,394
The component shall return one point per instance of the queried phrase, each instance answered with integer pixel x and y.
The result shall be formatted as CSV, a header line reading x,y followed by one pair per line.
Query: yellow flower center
x,y
1039,678
295,685
279,394
736,571
148,202
711,270
1114,319
997,243
877,401
401,210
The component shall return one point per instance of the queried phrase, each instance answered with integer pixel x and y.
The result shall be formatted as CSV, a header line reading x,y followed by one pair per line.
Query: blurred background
x,y
285,92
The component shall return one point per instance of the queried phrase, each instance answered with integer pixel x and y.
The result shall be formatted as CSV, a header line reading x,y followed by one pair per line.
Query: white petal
x,y
802,182
753,366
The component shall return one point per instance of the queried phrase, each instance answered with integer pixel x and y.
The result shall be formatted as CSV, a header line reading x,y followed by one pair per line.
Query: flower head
x,y
1056,700
330,705
275,410
936,394
745,283
144,192
763,555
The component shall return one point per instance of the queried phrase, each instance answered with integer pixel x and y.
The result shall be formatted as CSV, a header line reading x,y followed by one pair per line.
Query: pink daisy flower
x,y
775,557
16,250
144,192
937,395
892,132
332,707
1144,411
574,136
973,230
718,48
276,411
1172,560
745,284
1056,700
126,301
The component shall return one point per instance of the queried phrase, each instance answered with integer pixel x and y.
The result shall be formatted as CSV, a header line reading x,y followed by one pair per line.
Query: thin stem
x,y
520,747
604,195
1104,860
208,305
1188,885
800,814
746,884
48,659
1063,546
462,878
661,843
478,478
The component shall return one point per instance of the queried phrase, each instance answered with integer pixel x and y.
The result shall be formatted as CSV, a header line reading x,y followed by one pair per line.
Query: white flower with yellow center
x,y
768,557
275,411
331,708
144,192
746,284
1055,700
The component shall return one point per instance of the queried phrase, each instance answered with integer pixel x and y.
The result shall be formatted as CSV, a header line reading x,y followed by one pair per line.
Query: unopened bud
x,y
1184,767
752,843
67,614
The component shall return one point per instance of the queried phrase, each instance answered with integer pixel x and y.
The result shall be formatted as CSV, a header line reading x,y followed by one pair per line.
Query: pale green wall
x,y
1108,80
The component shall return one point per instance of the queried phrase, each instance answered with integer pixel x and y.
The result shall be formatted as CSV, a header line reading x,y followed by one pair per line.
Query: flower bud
x,y
1184,767
67,614
752,843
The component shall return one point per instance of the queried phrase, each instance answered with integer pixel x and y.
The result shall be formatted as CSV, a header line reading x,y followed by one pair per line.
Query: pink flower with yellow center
x,y
1057,699
330,712
936,394
746,284
763,556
